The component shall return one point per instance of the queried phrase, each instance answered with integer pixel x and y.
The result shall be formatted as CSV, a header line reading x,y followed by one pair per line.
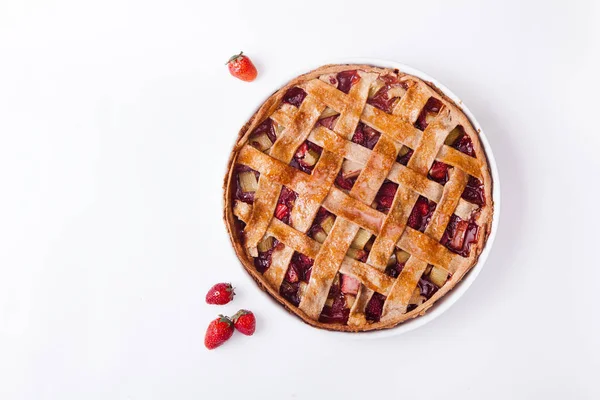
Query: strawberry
x,y
218,332
281,211
245,322
242,68
221,293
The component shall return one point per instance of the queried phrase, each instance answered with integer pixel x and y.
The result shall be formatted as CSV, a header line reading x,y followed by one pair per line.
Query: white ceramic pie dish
x,y
461,287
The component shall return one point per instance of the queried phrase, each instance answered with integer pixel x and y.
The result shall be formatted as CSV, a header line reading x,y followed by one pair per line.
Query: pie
x,y
358,196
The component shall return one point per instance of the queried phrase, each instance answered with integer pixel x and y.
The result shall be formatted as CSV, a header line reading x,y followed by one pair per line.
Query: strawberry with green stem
x,y
221,293
241,67
218,332
245,322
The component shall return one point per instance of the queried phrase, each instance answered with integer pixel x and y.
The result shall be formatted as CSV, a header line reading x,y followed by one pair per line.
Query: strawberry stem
x,y
238,314
233,58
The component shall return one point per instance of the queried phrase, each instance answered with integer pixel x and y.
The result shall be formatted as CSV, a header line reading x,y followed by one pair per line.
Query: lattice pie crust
x,y
357,196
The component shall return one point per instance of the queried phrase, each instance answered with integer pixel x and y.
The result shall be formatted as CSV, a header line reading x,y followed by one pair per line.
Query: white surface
x,y
114,143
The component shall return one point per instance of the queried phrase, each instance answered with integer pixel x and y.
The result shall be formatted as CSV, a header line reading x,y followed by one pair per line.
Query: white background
x,y
116,121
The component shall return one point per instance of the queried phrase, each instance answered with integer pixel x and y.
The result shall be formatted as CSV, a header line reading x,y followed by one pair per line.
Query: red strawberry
x,y
245,322
218,332
281,211
221,293
242,68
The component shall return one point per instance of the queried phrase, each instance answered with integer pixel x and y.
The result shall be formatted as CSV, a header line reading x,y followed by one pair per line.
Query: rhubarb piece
x,y
248,182
361,238
327,224
438,276
266,244
350,285
328,112
261,142
320,236
454,135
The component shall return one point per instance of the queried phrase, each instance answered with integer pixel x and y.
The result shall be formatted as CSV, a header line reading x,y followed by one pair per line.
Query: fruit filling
x,y
417,298
346,79
426,288
404,155
246,183
294,96
337,306
350,285
474,192
306,157
458,139
421,214
374,307
348,174
328,118
396,263
345,183
385,92
365,136
285,204
265,251
296,278
437,276
459,235
263,136
290,292
439,172
299,269
361,245
464,145
385,196
428,113
322,225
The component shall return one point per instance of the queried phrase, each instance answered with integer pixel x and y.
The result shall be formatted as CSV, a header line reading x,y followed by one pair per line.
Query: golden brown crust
x,y
484,218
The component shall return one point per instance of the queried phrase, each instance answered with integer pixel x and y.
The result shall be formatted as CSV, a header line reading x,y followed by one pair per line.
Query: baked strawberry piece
x,y
306,157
